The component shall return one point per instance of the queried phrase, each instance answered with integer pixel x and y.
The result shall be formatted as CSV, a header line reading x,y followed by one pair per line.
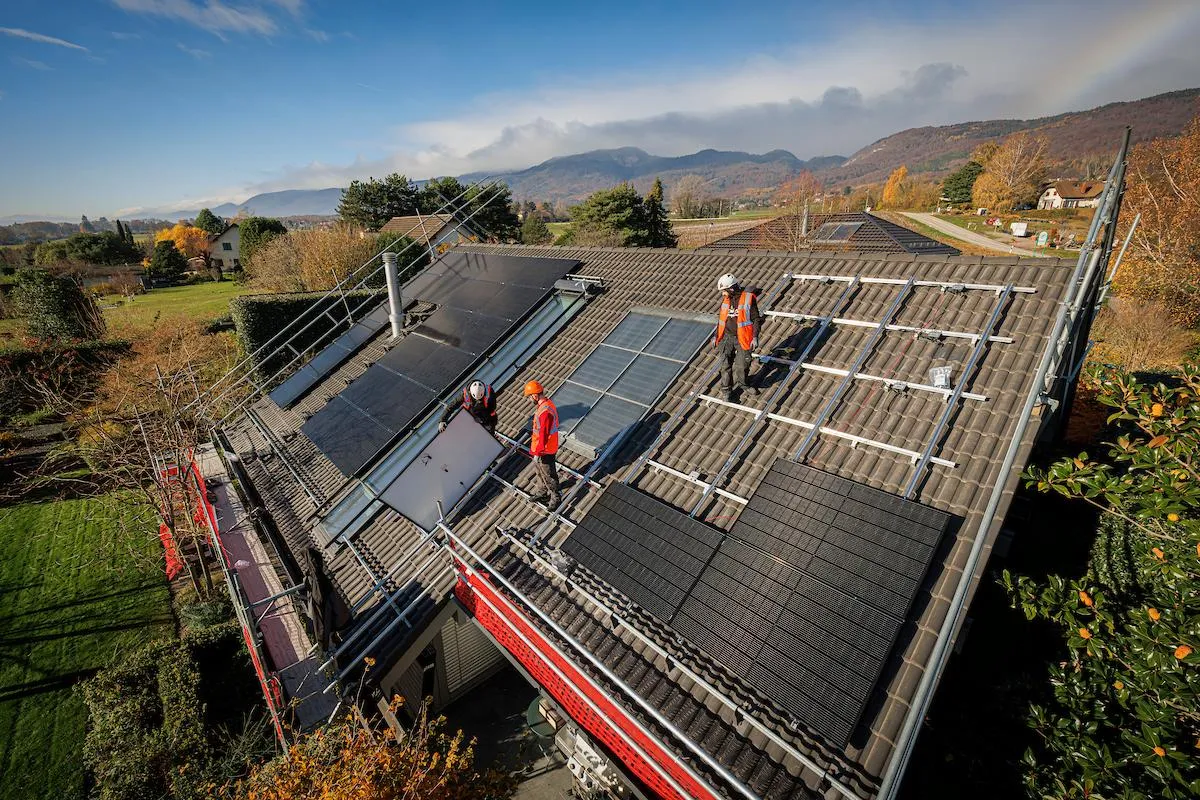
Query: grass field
x,y
71,600
199,301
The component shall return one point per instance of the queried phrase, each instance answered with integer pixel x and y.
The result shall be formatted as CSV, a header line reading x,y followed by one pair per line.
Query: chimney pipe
x,y
395,301
804,222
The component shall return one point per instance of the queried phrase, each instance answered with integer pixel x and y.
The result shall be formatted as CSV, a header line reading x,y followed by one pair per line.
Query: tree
x,y
494,215
210,223
687,196
254,232
1013,173
658,227
85,226
167,264
316,260
796,194
372,203
894,189
611,218
958,184
1162,264
534,230
437,192
189,240
1124,717
120,230
348,761
55,307
105,249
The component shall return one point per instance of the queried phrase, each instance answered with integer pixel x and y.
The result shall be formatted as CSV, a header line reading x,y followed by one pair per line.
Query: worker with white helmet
x,y
735,349
479,401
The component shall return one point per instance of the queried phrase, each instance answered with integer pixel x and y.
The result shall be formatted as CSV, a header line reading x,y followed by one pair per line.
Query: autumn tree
x,y
371,203
1163,261
1012,173
189,240
688,196
209,222
895,189
350,762
790,230
1122,720
317,260
659,231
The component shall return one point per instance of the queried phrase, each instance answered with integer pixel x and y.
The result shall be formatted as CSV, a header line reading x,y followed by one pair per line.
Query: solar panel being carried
x,y
481,298
804,597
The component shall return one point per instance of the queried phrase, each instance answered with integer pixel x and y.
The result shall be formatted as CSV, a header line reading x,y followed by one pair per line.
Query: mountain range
x,y
1081,142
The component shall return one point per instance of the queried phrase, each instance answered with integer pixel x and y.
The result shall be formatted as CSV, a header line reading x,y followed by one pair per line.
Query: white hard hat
x,y
727,281
477,389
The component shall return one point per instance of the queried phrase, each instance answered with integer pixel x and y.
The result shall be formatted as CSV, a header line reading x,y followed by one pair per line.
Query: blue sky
x,y
113,106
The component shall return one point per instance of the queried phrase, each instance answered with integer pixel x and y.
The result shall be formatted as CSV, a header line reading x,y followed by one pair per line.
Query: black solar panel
x,y
803,598
480,300
643,547
330,358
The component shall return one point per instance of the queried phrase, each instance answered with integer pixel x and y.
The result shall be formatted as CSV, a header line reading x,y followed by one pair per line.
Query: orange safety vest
x,y
745,325
545,434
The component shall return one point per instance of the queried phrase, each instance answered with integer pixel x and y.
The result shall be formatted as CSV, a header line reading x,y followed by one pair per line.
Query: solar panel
x,y
803,598
835,231
330,358
481,299
677,340
643,547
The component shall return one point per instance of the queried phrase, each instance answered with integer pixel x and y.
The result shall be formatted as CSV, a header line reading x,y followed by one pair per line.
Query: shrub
x,y
167,264
55,307
32,376
1112,559
259,319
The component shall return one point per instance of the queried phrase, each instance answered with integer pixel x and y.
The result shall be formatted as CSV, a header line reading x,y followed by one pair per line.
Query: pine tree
x,y
210,223
534,230
121,231
657,225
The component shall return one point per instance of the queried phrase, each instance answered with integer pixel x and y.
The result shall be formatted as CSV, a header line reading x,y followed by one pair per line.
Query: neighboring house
x,y
1071,194
225,248
434,231
856,231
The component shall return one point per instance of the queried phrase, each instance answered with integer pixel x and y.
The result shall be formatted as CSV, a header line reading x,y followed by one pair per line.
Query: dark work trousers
x,y
547,470
735,364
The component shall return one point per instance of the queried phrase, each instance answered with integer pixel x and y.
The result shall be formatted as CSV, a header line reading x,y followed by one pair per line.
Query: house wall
x,y
1050,199
226,249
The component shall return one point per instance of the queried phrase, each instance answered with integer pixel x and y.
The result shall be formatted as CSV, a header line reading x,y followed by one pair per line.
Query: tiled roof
x,y
874,235
421,228
685,282
1078,190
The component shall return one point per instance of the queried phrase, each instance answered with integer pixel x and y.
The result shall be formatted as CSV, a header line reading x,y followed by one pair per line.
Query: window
x,y
834,231
623,377
237,263
227,246
218,262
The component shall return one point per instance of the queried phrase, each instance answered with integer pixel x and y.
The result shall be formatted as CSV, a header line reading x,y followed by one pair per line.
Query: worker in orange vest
x,y
478,401
544,444
734,350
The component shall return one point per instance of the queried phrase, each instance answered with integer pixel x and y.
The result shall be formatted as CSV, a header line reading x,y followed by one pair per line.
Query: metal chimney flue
x,y
395,301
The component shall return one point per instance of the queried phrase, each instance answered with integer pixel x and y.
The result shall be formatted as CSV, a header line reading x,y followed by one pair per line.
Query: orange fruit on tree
x,y
1153,613
1182,652
1158,751
1085,599
1085,633
1158,553
1172,517
1156,410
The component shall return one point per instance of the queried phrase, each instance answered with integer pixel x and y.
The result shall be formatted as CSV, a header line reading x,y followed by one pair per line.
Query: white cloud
x,y
41,66
212,15
21,33
193,51
317,36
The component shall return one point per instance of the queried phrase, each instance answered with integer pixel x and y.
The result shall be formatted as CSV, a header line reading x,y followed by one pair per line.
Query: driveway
x,y
977,239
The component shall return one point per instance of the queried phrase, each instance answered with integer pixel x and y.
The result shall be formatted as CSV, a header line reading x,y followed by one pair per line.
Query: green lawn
x,y
199,301
72,598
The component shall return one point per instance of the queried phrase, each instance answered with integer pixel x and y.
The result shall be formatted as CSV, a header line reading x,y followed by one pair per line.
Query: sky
x,y
119,107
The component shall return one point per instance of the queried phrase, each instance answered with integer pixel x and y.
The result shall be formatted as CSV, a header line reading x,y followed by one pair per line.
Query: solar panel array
x,y
803,598
643,547
621,379
330,358
480,299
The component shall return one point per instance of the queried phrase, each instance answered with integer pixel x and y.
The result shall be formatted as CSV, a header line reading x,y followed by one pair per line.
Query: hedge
x,y
260,318
71,368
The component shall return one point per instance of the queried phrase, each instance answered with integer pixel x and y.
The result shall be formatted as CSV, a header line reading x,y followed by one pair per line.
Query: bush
x,y
66,370
260,318
1112,557
167,265
55,307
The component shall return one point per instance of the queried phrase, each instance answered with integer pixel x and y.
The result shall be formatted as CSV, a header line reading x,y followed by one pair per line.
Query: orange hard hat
x,y
533,387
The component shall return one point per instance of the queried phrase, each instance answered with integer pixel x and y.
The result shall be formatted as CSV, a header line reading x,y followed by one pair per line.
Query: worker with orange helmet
x,y
544,444
735,351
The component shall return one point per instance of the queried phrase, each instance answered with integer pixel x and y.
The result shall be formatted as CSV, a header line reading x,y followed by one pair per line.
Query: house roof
x,y
1078,190
214,237
901,420
873,235
419,227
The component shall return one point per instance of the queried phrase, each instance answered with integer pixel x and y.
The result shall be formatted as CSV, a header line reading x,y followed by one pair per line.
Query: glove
x,y
754,343
441,427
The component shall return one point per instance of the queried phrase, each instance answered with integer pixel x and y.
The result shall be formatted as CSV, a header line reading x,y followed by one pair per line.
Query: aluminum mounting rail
x,y
891,382
864,323
949,285
660,467
869,347
675,663
283,456
952,404
760,418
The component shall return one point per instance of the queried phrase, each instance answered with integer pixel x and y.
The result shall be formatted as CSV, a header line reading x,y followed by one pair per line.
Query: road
x,y
977,239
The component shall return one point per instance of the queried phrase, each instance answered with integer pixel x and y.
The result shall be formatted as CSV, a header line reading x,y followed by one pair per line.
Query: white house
x,y
435,231
226,248
1071,194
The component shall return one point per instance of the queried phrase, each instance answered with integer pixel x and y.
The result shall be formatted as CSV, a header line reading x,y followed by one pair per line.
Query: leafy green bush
x,y
55,307
1125,719
259,319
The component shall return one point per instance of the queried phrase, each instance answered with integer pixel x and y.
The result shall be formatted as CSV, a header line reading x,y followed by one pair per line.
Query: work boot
x,y
554,503
727,395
